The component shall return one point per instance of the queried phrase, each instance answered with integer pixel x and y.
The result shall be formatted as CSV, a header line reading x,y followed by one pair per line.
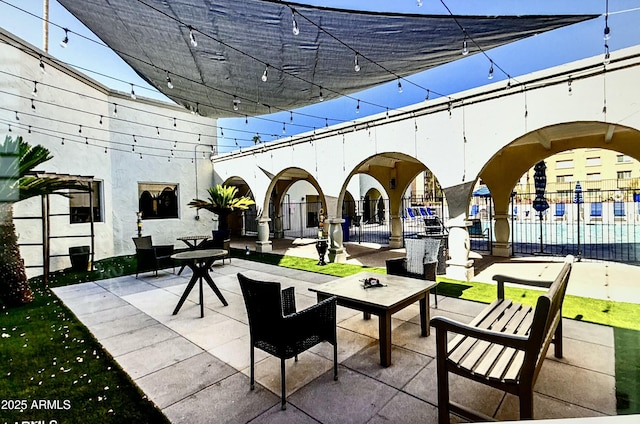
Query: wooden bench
x,y
503,347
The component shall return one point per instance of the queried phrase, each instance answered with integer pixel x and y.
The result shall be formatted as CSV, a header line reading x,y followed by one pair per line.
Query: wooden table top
x,y
396,289
199,254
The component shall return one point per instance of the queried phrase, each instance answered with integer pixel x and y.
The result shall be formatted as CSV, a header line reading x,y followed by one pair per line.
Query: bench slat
x,y
478,348
507,355
519,325
483,320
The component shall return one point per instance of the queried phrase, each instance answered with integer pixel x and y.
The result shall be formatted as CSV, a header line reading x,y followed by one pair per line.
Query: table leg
x,y
192,282
213,286
201,298
384,329
425,330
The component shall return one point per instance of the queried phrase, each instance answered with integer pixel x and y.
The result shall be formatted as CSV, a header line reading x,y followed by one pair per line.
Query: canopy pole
x,y
45,25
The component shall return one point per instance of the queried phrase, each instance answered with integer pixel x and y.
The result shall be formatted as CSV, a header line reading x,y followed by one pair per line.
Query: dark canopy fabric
x,y
236,39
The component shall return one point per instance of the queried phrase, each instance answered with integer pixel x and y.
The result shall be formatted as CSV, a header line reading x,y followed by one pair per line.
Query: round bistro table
x,y
200,261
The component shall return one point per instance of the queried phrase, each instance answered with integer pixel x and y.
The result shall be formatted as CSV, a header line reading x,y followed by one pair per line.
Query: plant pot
x,y
79,256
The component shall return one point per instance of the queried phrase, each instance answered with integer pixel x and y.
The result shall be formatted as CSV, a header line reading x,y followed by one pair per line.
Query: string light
x,y
33,105
115,110
133,93
607,30
34,93
29,130
426,97
465,47
399,86
236,103
65,40
356,65
569,86
358,107
100,120
295,29
419,2
291,116
490,76
10,130
134,138
175,124
192,37
158,131
321,97
63,141
80,129
264,74
169,83
284,128
246,120
86,140
44,71
17,117
607,56
326,122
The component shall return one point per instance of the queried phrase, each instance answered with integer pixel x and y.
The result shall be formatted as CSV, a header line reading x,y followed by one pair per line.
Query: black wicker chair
x,y
150,257
276,328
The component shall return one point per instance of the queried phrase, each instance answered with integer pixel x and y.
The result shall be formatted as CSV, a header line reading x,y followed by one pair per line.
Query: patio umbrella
x,y
540,204
482,192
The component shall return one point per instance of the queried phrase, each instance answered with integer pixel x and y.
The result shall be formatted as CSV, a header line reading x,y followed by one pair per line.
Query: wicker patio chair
x,y
150,257
276,328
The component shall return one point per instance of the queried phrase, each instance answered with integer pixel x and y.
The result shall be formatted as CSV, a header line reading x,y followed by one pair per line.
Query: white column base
x,y
264,246
460,271
502,250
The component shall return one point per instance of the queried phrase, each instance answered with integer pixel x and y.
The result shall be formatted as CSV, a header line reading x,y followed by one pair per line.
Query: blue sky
x,y
532,54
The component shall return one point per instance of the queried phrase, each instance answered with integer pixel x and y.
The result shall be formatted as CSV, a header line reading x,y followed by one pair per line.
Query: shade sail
x,y
237,39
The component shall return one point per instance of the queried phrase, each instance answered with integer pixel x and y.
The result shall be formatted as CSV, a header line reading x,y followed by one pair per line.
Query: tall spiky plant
x,y
17,161
222,201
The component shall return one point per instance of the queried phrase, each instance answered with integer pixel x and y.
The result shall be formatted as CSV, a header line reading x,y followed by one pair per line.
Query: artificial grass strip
x,y
50,358
627,343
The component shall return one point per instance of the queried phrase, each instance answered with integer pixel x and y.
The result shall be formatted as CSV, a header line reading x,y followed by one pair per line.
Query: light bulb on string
x,y
358,106
490,76
33,105
63,141
284,128
29,130
419,3
115,110
426,96
175,144
199,138
236,103
10,130
141,156
326,122
34,93
175,124
86,140
44,71
570,89
264,74
607,33
169,83
321,97
134,139
607,56
17,116
158,132
100,120
356,65
80,129
295,29
105,150
465,47
133,93
192,37
65,40
291,116
246,120
399,86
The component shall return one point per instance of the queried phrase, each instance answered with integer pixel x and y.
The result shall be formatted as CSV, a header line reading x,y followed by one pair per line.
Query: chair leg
x,y
252,377
526,405
435,294
283,384
335,362
443,377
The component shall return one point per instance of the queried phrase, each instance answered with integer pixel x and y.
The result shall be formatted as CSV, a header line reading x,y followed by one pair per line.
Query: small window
x,y
564,164
594,161
564,178
158,201
80,208
595,176
622,175
623,158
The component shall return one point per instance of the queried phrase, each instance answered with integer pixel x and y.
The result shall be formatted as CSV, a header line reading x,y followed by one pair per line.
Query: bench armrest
x,y
443,324
501,279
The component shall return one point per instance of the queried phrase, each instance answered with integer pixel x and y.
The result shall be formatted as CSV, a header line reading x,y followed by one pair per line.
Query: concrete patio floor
x,y
196,369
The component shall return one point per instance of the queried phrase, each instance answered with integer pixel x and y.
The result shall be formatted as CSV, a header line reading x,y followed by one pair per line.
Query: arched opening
x,y
242,222
592,187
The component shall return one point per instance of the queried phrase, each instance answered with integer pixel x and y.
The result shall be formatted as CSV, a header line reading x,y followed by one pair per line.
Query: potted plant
x,y
223,201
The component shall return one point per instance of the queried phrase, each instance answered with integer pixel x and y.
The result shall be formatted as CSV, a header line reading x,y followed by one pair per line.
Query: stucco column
x,y
336,248
502,230
459,266
263,244
395,241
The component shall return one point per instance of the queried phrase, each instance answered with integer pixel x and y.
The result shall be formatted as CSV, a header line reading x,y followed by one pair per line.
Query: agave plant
x,y
17,182
223,200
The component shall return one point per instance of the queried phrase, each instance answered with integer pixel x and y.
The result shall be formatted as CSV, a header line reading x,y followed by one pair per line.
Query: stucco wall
x,y
65,101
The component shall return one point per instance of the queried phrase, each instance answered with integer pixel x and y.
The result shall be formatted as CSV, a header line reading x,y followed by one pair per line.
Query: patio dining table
x,y
200,261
